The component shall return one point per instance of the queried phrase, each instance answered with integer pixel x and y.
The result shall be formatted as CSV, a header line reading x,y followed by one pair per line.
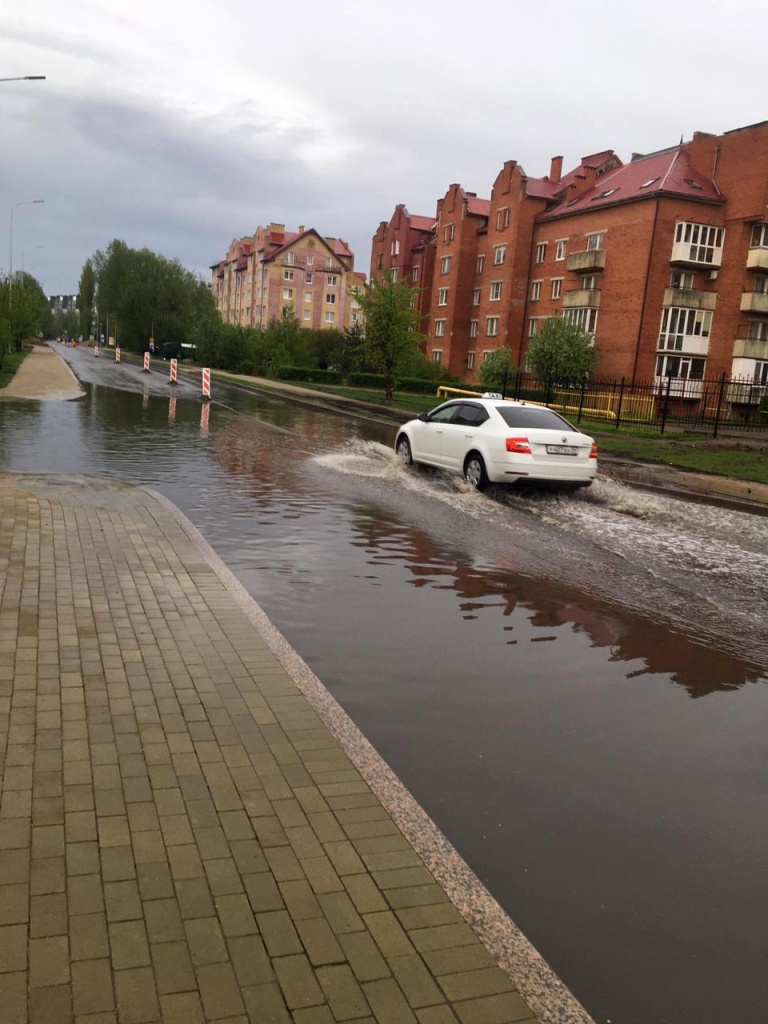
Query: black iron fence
x,y
707,404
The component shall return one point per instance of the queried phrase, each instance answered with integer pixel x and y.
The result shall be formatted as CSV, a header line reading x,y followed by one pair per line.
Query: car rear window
x,y
535,416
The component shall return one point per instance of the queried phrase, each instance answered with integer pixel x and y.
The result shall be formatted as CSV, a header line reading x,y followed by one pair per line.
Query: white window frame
x,y
561,247
535,291
533,326
310,259
759,237
557,287
330,316
471,360
499,254
288,294
584,317
495,291
492,327
290,258
332,280
330,299
541,252
445,265
473,328
440,328
308,278
595,241
307,314
589,282
307,296
480,263
679,323
437,355
476,295
288,275
502,218
442,296
684,365
449,232
415,274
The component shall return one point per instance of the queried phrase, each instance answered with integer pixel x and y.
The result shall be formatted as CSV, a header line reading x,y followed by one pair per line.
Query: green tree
x,y
63,323
143,295
498,370
87,290
562,353
28,309
391,322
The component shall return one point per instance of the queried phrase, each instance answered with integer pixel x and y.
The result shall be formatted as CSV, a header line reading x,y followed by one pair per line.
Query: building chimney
x,y
301,229
556,168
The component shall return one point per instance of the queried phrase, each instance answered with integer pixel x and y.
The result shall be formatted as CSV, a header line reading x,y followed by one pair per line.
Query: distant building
x,y
64,303
275,271
663,260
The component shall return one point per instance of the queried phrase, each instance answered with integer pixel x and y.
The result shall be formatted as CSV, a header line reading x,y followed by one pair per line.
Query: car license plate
x,y
562,449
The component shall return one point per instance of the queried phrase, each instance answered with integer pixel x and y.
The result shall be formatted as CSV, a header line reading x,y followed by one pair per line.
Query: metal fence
x,y
708,404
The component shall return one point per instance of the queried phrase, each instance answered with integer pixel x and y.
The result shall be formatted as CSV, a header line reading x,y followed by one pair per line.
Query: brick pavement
x,y
181,837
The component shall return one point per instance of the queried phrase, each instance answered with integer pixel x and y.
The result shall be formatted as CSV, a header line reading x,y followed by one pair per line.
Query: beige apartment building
x,y
275,271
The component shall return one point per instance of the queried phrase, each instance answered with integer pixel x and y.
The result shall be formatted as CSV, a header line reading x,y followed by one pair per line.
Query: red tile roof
x,y
669,172
479,207
422,223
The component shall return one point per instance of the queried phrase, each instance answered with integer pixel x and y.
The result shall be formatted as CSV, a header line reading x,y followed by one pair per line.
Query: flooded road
x,y
574,689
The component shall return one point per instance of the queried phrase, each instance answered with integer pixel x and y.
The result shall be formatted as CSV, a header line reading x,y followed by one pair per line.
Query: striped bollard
x,y
171,410
206,385
117,353
146,362
204,411
174,371
96,350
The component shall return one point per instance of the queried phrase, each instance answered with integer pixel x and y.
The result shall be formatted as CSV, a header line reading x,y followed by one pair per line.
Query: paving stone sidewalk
x,y
181,837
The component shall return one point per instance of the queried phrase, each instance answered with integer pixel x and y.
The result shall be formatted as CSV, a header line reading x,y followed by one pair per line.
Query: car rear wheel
x,y
474,471
403,449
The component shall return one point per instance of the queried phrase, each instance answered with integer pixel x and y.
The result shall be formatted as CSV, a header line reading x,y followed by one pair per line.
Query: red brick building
x,y
664,260
302,272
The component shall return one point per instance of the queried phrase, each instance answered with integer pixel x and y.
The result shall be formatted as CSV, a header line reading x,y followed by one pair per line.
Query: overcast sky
x,y
180,124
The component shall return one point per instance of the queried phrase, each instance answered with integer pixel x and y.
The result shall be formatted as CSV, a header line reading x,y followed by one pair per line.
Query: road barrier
x,y
146,362
172,410
206,385
204,411
96,350
174,371
117,354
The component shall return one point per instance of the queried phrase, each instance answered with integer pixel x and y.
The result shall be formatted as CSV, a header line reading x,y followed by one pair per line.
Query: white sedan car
x,y
490,440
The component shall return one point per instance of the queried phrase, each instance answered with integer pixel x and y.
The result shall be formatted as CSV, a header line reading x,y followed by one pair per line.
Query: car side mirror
x,y
424,417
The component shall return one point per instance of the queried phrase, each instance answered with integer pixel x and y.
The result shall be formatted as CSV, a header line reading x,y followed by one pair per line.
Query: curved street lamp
x,y
21,202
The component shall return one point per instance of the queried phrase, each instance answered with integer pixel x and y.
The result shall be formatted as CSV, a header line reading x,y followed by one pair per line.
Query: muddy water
x,y
574,689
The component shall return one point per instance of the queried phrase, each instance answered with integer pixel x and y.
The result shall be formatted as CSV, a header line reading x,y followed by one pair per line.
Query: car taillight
x,y
593,453
518,445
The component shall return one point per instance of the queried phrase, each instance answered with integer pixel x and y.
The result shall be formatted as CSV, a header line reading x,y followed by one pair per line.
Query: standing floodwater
x,y
575,690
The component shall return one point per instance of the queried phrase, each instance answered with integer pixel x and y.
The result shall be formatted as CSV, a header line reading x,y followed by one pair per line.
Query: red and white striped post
x,y
146,362
204,411
96,350
174,371
206,384
172,410
117,353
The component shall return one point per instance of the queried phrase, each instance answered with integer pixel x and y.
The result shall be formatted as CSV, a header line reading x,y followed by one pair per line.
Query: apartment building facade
x,y
274,272
663,260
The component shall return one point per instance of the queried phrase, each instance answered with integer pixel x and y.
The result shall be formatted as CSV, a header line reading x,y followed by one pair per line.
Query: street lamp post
x,y
21,202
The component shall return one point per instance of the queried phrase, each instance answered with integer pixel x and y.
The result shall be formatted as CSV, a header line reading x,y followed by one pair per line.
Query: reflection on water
x,y
549,731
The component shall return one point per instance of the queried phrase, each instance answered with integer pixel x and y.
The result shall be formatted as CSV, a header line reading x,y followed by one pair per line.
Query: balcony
x,y
678,387
589,259
582,297
689,298
750,348
757,259
746,393
687,254
754,302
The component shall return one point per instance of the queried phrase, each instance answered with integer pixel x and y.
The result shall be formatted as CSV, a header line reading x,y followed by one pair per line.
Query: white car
x,y
490,440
